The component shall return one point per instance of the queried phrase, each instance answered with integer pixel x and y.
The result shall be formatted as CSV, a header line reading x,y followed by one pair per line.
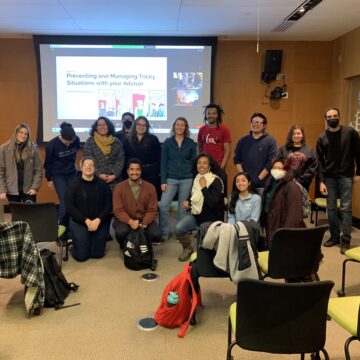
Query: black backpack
x,y
57,288
138,251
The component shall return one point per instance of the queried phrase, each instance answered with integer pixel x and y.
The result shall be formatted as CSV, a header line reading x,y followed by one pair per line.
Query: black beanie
x,y
68,133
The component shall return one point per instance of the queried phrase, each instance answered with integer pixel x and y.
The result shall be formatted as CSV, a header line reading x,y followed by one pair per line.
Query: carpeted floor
x,y
113,299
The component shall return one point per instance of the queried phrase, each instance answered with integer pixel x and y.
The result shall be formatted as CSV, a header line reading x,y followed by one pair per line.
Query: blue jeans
x,y
180,187
339,188
61,183
88,244
186,224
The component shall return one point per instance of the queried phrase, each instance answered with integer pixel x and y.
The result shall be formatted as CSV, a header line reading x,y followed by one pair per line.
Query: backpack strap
x,y
194,301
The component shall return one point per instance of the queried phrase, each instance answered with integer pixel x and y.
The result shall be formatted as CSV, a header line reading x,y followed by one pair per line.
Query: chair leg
x,y
302,357
317,278
66,257
61,254
346,347
325,354
341,292
229,332
228,355
316,217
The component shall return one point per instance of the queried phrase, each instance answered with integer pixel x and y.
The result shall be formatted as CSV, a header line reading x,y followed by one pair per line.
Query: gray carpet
x,y
113,299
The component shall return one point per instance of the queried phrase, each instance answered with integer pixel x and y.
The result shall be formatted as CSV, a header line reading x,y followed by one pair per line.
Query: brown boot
x,y
187,250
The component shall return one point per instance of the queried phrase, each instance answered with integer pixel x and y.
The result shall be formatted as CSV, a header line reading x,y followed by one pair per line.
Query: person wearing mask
x,y
255,152
206,202
338,151
107,150
282,201
177,156
304,157
60,169
88,201
244,205
20,167
214,138
140,144
127,119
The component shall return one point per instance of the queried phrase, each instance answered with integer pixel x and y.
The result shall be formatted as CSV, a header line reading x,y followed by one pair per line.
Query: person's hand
x,y
143,226
134,224
32,192
3,196
110,178
163,187
323,189
50,185
103,177
356,178
95,224
88,224
202,182
186,204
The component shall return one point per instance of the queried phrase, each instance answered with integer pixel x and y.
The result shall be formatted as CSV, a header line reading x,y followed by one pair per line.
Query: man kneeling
x,y
135,205
88,202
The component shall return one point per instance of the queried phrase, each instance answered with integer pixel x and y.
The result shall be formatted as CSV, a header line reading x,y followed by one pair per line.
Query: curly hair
x,y
219,111
214,167
110,126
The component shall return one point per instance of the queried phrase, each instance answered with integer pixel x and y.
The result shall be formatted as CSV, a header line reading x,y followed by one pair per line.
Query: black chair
x,y
294,253
43,222
280,318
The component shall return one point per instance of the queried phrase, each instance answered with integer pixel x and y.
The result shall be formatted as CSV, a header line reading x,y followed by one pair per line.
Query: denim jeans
x,y
339,188
186,224
180,187
61,183
88,244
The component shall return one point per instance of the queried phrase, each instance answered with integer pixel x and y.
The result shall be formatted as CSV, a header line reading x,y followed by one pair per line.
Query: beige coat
x,y
8,171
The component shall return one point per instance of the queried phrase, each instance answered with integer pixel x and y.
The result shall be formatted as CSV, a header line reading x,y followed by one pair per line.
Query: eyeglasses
x,y
257,123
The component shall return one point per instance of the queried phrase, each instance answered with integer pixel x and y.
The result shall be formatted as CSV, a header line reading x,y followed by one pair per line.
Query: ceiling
x,y
233,19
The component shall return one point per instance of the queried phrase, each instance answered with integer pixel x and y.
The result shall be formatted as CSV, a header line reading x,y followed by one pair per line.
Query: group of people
x,y
130,176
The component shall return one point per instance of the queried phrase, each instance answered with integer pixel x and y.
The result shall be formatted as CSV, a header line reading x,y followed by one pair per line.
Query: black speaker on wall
x,y
273,59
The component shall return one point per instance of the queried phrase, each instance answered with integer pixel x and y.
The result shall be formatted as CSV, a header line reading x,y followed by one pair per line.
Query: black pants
x,y
21,197
152,231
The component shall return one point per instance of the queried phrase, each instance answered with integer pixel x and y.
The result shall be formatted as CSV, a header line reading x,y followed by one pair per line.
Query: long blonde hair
x,y
26,150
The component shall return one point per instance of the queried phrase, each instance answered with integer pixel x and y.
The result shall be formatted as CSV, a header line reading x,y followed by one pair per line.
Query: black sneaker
x,y
331,242
344,246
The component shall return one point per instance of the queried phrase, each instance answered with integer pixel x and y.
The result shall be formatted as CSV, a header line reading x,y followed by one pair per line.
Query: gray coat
x,y
9,175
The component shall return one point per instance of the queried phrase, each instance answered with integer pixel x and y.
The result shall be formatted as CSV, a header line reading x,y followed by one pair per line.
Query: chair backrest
x,y
282,318
295,253
41,217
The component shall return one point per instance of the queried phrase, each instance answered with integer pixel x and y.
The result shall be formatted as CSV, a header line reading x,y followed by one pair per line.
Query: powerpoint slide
x,y
135,84
189,80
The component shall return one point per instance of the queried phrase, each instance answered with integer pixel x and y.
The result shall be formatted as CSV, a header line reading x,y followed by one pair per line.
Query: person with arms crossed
x,y
338,149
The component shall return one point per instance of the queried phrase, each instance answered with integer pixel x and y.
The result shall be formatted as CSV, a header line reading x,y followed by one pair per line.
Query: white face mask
x,y
277,174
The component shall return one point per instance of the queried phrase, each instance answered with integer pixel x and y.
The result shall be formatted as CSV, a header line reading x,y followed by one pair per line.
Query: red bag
x,y
179,315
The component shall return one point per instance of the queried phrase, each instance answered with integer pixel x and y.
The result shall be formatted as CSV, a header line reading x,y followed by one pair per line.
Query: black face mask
x,y
127,124
333,122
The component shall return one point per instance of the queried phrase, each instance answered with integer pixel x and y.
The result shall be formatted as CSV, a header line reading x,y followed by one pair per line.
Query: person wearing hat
x,y
60,169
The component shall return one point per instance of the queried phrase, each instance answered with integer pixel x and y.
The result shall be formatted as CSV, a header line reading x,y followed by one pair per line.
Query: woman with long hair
x,y
177,156
244,204
60,169
106,149
303,157
20,167
143,145
206,202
